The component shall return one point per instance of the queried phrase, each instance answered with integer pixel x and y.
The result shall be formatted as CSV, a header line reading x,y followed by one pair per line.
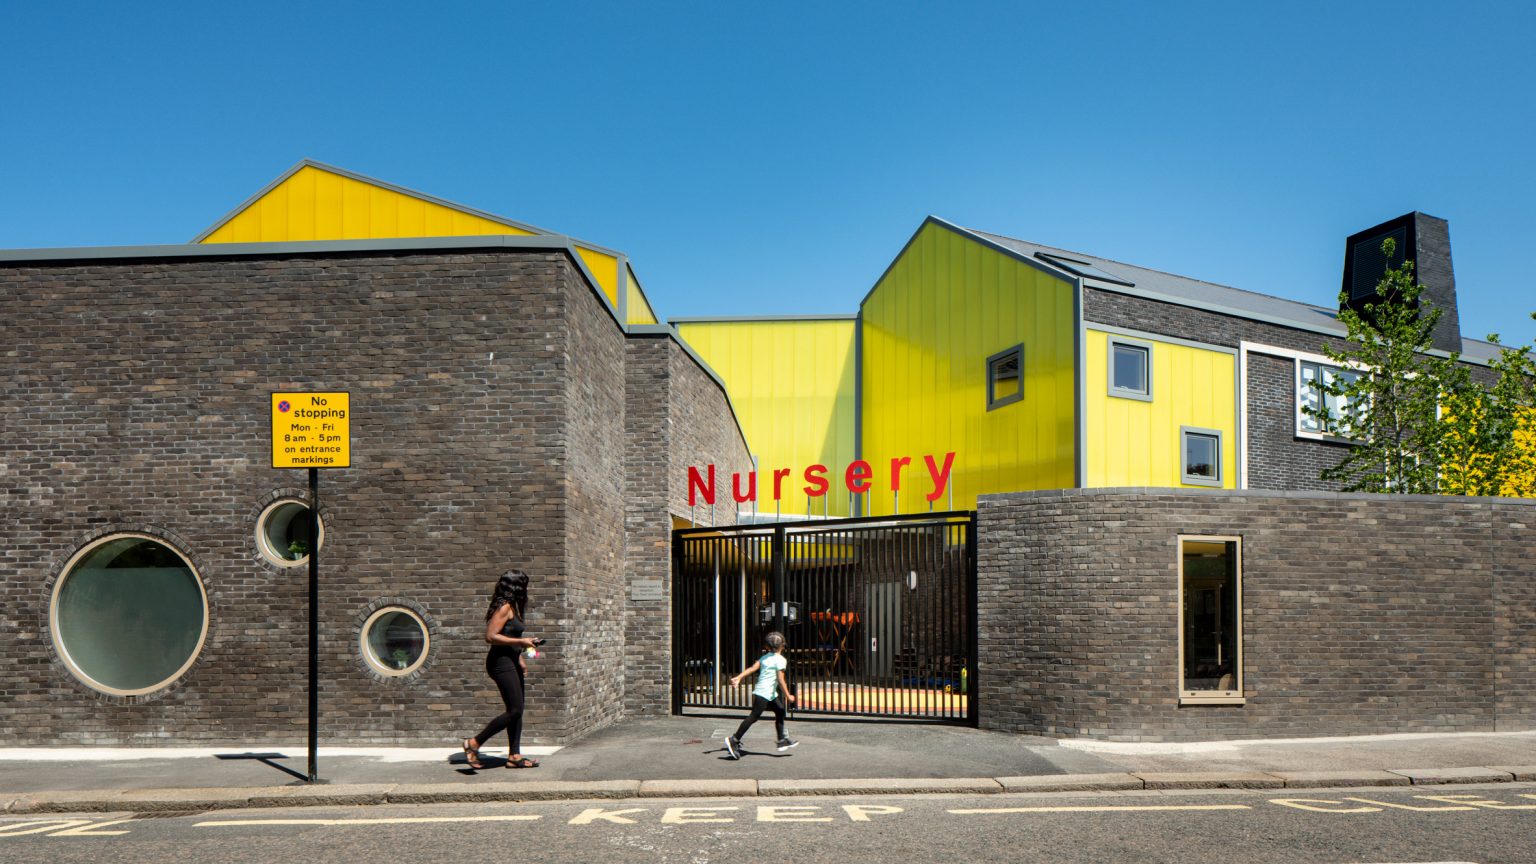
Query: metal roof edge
x,y
290,247
668,331
969,235
734,319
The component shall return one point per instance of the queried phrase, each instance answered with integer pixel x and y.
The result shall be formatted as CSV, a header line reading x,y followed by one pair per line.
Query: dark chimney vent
x,y
1422,239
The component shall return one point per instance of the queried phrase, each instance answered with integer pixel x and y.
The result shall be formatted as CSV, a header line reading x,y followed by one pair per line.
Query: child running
x,y
770,686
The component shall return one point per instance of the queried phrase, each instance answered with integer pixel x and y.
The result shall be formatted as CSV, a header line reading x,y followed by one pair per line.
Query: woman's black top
x,y
503,657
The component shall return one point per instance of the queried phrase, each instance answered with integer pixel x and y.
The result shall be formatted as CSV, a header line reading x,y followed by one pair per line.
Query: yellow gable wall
x,y
792,382
315,204
946,305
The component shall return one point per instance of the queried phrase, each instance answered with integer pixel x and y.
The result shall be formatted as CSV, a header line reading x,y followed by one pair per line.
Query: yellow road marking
x,y
17,829
92,830
401,820
1104,808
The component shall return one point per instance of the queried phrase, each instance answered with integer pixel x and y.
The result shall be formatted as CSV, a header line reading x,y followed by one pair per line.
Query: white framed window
x,y
129,615
282,532
1005,377
394,641
1210,619
1312,377
1200,456
1130,369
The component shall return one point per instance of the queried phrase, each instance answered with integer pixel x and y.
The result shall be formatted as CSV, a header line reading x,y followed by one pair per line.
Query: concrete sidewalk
x,y
684,757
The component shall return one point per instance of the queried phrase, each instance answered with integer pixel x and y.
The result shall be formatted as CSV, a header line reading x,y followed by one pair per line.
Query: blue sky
x,y
773,158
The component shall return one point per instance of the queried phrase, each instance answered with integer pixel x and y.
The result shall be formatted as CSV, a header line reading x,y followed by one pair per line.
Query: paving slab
x,y
535,790
73,801
1339,779
1071,783
880,786
321,795
722,788
156,800
1522,773
1211,780
1440,776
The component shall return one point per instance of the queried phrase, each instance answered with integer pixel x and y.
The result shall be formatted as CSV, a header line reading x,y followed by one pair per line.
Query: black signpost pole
x,y
314,624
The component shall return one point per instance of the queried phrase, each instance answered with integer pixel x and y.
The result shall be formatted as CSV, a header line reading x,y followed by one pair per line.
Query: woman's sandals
x,y
471,755
522,762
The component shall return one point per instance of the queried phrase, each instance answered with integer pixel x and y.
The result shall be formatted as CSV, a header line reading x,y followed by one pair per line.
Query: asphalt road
x,y
1495,823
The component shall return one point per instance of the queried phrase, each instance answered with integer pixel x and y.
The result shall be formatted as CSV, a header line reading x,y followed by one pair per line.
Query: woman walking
x,y
505,664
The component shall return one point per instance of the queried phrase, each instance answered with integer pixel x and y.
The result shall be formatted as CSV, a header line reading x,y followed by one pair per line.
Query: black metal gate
x,y
879,614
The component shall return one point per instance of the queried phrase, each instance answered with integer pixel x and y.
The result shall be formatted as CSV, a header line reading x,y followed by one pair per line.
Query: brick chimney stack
x,y
1426,241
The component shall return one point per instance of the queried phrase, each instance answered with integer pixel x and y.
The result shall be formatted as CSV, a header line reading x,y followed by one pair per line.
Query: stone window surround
x,y
61,651
1236,695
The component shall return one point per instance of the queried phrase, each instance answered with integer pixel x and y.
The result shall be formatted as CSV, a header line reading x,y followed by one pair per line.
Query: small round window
x,y
395,641
282,532
129,615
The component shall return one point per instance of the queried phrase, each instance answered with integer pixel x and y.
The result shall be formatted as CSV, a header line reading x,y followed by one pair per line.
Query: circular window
x,y
282,532
395,641
129,615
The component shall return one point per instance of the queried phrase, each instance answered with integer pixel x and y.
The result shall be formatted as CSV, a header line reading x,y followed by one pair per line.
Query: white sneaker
x,y
733,746
787,742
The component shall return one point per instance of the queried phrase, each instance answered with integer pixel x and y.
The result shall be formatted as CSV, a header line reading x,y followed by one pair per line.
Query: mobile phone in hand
x,y
537,642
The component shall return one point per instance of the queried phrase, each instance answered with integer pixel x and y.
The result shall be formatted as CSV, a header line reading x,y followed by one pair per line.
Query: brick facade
x,y
1361,613
489,431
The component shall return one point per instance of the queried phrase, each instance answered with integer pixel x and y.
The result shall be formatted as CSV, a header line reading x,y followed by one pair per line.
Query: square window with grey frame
x,y
1210,618
1130,369
1005,377
1200,456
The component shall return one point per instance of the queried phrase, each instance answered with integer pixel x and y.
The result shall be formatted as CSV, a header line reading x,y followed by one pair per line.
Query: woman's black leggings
x,y
510,682
759,704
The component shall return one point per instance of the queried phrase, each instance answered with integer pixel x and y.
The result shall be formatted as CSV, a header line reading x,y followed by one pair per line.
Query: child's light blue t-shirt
x,y
768,676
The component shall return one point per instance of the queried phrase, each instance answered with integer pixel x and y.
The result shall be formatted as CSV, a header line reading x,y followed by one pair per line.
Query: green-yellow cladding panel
x,y
943,308
792,383
639,309
1130,442
314,204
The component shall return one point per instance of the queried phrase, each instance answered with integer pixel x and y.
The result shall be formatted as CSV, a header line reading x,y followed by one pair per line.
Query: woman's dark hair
x,y
512,588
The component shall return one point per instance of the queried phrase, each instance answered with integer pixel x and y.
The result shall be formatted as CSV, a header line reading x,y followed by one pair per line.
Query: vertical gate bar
x,y
972,624
714,621
677,570
779,553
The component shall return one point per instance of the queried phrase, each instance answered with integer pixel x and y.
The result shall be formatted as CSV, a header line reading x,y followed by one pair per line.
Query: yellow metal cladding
x,y
1136,443
947,304
639,309
605,269
792,383
315,204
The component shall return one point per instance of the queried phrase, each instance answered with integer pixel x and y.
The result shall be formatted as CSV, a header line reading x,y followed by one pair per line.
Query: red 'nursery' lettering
x,y
856,478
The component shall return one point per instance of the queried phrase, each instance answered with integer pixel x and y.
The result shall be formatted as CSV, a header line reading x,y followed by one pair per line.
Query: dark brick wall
x,y
590,664
1361,614
676,416
488,392
1277,459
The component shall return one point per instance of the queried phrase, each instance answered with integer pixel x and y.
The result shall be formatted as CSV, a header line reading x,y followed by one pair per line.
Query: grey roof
x,y
1184,291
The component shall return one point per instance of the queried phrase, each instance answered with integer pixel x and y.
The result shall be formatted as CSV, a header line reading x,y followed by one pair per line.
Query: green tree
x,y
1392,406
